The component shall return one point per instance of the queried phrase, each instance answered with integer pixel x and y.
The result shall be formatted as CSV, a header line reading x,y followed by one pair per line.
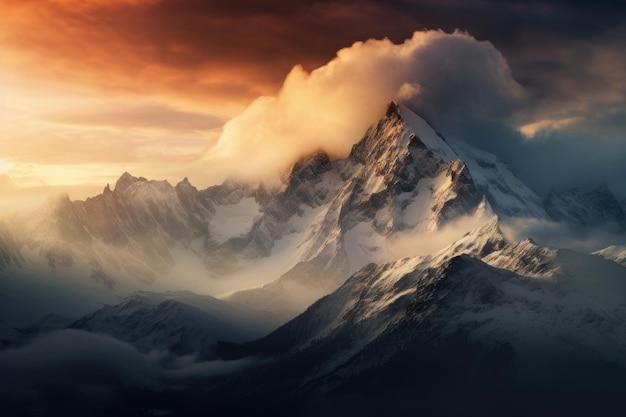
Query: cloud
x,y
72,372
250,45
532,129
451,75
409,243
215,57
466,90
201,50
560,235
69,368
223,53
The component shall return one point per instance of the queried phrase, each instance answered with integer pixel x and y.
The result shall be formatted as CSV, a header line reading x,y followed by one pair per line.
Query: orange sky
x,y
92,88
86,97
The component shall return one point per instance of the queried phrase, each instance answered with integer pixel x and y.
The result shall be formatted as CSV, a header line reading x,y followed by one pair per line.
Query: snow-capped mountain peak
x,y
331,218
427,135
479,242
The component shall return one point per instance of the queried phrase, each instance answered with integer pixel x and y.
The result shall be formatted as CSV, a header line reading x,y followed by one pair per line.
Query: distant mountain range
x,y
469,323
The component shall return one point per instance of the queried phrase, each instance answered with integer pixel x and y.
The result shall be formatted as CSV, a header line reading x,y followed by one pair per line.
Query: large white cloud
x,y
449,75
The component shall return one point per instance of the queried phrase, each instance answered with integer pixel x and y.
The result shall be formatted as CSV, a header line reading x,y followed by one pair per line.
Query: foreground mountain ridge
x,y
500,320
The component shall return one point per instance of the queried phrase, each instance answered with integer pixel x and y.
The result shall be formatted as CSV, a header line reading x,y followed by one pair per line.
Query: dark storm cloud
x,y
273,36
190,47
506,21
550,45
254,44
577,156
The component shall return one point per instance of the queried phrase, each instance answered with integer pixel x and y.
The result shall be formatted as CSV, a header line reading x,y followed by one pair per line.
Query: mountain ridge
x,y
330,218
314,296
464,308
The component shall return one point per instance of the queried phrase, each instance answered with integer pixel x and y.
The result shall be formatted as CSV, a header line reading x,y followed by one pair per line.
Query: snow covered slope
x,y
128,231
469,326
441,325
400,176
615,253
140,235
276,249
507,195
177,322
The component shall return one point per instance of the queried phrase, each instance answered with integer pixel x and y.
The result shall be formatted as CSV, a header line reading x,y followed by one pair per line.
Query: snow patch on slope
x,y
420,215
428,136
615,253
285,254
364,245
508,196
233,220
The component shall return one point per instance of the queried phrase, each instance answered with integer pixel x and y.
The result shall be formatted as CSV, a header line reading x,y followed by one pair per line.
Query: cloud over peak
x,y
451,75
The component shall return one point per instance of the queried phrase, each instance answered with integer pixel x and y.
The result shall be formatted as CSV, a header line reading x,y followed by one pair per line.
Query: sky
x,y
171,88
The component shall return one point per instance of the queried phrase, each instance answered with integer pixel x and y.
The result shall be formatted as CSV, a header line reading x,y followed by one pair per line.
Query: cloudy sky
x,y
173,88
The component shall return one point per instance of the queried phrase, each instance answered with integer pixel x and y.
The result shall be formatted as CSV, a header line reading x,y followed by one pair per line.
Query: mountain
x,y
378,280
130,229
277,249
507,194
140,235
453,334
400,176
597,207
180,323
331,217
391,273
615,253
